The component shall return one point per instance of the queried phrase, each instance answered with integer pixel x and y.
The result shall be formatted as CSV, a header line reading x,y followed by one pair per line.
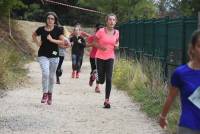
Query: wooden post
x,y
198,20
9,21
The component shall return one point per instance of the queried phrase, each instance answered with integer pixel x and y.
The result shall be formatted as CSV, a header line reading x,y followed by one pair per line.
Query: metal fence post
x,y
153,37
166,47
184,54
198,20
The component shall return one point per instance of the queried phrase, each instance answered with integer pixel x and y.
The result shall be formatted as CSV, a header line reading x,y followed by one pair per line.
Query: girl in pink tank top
x,y
93,51
106,40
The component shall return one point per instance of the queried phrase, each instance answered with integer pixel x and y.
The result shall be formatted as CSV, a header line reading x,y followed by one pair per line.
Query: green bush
x,y
144,82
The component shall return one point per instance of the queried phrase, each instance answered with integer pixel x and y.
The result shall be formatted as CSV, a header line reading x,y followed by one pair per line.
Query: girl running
x,y
62,54
90,40
51,37
106,40
186,81
78,45
82,33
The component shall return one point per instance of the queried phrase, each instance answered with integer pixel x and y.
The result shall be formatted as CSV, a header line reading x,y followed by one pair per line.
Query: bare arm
x,y
89,42
117,44
35,40
85,34
173,92
59,42
67,42
89,45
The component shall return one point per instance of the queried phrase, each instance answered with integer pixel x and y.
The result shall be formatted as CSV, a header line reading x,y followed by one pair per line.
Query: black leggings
x,y
93,65
59,71
104,72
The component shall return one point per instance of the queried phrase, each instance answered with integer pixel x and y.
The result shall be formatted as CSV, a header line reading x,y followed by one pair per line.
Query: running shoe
x,y
73,74
49,101
107,104
44,98
91,81
77,74
97,90
58,80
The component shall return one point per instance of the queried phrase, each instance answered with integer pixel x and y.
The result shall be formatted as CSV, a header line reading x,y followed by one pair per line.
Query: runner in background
x,y
93,51
82,33
62,54
78,44
186,81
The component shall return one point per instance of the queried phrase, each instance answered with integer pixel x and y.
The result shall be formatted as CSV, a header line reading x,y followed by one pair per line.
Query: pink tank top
x,y
107,41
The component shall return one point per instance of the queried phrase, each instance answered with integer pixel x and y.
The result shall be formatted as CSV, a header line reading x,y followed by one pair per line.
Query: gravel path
x,y
76,109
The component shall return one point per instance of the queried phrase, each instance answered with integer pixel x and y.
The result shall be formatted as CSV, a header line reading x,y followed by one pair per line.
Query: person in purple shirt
x,y
186,81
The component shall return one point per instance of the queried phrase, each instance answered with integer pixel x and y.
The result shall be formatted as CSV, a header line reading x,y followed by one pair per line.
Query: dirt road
x,y
76,109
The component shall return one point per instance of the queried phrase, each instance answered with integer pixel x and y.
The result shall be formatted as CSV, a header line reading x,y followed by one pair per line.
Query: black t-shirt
x,y
78,45
47,48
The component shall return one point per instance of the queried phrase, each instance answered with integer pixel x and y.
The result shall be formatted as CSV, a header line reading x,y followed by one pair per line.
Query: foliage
x,y
124,9
190,7
8,5
178,7
34,12
145,9
136,8
145,84
14,54
11,66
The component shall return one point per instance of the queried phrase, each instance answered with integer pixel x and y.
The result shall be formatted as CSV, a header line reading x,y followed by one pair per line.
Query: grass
x,y
144,83
12,59
12,70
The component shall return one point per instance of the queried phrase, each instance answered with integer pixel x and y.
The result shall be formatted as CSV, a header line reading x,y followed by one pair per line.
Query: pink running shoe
x,y
107,104
77,74
44,98
73,74
49,101
97,90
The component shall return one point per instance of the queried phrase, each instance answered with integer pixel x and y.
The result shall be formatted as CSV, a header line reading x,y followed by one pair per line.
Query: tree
x,y
124,9
34,12
144,9
7,5
190,7
179,7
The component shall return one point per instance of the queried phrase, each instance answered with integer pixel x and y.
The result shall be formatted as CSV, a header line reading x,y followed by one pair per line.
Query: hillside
x,y
14,54
17,49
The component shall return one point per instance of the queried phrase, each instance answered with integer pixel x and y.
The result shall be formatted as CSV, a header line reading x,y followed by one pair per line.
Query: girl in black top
x,y
51,37
78,45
